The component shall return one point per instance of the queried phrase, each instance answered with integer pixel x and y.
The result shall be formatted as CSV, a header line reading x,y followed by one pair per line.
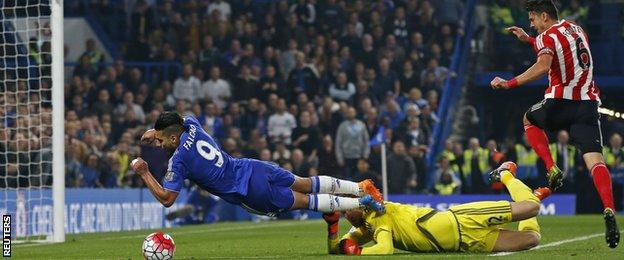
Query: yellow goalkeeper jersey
x,y
400,228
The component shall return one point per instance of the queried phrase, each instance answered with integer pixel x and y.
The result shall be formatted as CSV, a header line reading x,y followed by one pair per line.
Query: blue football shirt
x,y
200,159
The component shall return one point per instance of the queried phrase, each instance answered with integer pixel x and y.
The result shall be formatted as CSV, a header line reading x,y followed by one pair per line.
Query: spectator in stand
x,y
415,98
367,54
342,89
351,143
433,76
302,78
216,89
565,157
327,162
364,172
576,13
209,55
306,12
89,173
210,120
245,85
300,164
281,153
223,9
306,136
414,135
95,56
393,113
102,105
446,185
418,155
409,79
402,177
614,153
130,105
281,123
386,80
188,86
271,83
475,165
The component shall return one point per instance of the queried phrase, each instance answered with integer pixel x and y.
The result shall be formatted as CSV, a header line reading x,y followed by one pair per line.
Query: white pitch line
x,y
554,244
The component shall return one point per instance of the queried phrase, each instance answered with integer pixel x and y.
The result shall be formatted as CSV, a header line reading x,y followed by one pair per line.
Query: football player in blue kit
x,y
258,186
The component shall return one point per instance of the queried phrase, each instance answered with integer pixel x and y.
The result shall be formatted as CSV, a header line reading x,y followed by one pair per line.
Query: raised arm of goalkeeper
x,y
349,243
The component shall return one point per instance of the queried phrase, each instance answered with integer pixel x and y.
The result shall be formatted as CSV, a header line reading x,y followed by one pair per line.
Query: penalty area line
x,y
557,243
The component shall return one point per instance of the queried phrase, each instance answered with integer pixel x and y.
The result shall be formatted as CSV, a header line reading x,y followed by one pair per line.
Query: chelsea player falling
x,y
260,187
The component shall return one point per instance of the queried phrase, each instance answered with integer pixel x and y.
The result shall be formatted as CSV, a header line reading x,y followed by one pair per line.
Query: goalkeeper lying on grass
x,y
471,227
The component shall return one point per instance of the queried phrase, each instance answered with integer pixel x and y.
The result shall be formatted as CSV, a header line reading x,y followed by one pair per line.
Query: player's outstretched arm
x,y
165,197
521,34
535,72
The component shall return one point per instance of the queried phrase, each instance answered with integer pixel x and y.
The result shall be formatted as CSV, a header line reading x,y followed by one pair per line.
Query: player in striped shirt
x,y
571,100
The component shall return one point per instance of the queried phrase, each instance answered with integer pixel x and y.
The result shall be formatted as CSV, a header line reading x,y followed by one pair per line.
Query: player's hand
x,y
331,218
148,137
499,83
350,247
519,32
139,166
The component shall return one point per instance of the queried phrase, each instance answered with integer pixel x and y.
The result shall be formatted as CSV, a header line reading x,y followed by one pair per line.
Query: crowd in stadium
x,y
303,84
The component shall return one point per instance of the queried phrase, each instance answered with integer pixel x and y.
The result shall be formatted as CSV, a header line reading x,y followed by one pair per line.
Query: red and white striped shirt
x,y
572,69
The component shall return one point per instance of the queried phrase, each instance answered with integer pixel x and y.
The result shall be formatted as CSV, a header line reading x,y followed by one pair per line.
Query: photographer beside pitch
x,y
472,227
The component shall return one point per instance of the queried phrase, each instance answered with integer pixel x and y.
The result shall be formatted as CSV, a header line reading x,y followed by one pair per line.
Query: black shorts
x,y
579,117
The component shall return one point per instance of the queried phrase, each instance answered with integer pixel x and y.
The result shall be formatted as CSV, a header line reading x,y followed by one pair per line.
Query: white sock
x,y
331,185
327,203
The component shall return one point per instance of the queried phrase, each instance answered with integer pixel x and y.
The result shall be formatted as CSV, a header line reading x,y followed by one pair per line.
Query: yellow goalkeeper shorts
x,y
480,223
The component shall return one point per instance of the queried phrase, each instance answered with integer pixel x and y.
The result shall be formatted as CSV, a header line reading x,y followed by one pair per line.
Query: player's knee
x,y
532,240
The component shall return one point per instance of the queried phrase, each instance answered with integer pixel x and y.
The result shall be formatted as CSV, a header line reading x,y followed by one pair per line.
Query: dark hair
x,y
543,6
168,120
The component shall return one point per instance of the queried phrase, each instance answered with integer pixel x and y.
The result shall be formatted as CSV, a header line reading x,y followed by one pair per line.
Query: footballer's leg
x,y
327,203
526,203
586,133
289,189
534,121
331,185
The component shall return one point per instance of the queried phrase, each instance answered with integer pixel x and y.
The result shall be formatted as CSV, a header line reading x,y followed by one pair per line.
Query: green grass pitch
x,y
303,239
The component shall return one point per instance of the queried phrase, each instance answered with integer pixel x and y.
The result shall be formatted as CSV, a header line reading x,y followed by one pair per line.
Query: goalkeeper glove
x,y
350,247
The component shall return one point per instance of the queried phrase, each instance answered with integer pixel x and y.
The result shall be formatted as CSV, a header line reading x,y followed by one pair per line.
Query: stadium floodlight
x,y
32,163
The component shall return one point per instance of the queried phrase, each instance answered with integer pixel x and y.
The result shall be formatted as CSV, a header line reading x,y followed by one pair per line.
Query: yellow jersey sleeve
x,y
360,235
383,246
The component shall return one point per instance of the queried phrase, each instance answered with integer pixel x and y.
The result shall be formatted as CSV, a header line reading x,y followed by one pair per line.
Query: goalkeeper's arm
x,y
333,243
350,242
384,245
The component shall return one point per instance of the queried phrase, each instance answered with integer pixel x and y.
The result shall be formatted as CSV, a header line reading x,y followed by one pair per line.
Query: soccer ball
x,y
158,246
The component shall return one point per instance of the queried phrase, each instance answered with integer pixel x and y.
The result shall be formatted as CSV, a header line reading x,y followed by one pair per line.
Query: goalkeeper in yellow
x,y
471,227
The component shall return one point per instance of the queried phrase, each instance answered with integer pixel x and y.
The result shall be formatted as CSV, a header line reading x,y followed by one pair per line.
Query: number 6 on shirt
x,y
214,152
